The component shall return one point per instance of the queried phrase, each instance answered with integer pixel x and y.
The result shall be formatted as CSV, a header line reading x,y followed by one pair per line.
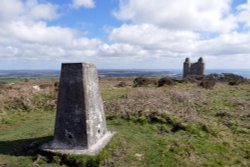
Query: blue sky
x,y
235,3
118,34
92,20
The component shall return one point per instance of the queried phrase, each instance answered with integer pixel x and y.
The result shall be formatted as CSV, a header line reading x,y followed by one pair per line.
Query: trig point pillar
x,y
80,126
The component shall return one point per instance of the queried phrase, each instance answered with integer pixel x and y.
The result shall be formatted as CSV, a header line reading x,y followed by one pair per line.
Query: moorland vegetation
x,y
200,121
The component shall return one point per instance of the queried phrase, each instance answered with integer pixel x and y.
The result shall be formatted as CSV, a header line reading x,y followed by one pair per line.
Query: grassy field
x,y
180,125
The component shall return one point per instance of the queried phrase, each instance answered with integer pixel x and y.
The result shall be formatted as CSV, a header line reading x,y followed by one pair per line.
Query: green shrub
x,y
56,86
143,81
121,84
193,78
234,79
26,80
207,84
166,81
230,78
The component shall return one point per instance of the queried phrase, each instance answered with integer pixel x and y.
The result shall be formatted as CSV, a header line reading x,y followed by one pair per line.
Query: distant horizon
x,y
34,73
130,69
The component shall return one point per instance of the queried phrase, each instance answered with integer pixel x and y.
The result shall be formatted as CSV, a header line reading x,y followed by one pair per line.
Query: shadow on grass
x,y
23,147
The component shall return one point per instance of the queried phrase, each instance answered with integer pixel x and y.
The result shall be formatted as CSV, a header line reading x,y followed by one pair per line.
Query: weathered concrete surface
x,y
80,126
92,150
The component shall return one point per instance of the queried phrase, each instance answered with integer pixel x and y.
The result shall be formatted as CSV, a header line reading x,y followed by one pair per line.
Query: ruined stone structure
x,y
80,126
193,68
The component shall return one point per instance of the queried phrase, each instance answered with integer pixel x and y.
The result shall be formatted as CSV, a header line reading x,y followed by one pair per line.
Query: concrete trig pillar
x,y
80,126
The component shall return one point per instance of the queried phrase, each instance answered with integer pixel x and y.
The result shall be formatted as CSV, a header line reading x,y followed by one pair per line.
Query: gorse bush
x,y
234,79
121,84
166,81
2,86
207,84
230,78
56,86
193,78
143,81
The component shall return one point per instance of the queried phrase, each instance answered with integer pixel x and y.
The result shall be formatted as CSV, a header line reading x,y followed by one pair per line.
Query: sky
x,y
124,34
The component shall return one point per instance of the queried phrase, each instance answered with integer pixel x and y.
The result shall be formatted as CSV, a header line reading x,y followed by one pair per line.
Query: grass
x,y
180,125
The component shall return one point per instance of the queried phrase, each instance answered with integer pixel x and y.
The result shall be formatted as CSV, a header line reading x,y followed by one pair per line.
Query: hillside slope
x,y
179,125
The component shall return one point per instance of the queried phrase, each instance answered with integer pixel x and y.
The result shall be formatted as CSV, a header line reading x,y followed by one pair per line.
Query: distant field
x,y
179,125
104,73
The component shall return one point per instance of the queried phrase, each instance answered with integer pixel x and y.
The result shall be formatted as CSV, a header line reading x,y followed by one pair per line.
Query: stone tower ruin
x,y
193,68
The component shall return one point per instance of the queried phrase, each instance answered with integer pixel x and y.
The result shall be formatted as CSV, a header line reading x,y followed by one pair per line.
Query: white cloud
x,y
25,35
13,10
41,11
38,32
158,35
152,37
244,14
164,44
83,3
230,44
121,50
205,15
9,9
164,29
